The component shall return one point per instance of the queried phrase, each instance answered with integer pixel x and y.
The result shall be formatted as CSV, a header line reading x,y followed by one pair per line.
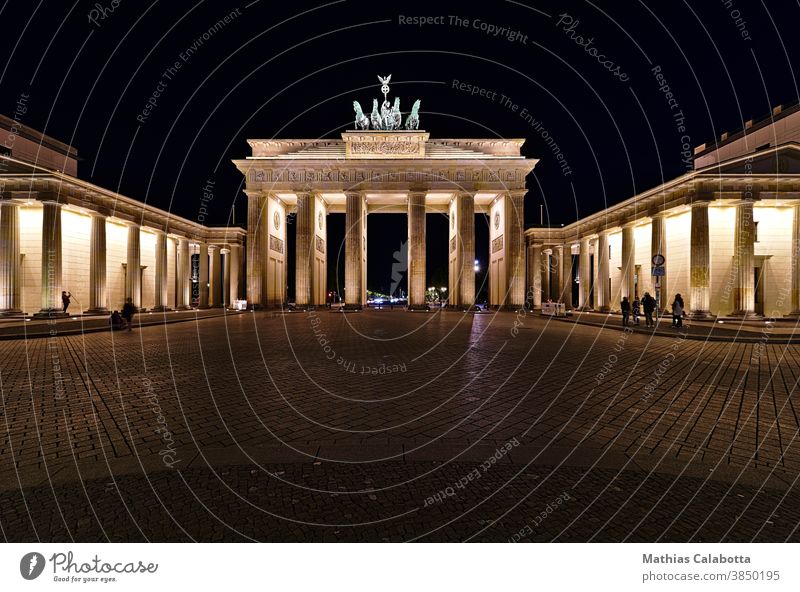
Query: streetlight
x,y
477,266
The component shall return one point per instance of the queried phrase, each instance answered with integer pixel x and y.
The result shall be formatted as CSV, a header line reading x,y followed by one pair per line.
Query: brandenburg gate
x,y
383,166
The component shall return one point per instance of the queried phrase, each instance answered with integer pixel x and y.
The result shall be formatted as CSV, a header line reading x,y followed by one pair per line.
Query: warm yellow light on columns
x,y
9,259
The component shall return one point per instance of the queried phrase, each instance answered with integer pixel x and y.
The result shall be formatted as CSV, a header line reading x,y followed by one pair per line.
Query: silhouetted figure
x,y
116,321
625,306
649,305
127,313
66,298
677,311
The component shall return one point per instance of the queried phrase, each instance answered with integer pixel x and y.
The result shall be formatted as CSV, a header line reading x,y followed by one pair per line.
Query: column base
x,y
794,314
352,307
303,307
54,313
97,311
418,308
183,307
11,312
160,309
700,314
746,314
605,309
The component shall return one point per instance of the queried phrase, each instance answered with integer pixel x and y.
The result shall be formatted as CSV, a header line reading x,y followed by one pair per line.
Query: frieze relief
x,y
385,147
497,244
388,175
276,244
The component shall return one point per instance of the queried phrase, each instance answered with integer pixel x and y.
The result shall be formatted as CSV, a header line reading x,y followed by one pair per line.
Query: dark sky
x,y
292,69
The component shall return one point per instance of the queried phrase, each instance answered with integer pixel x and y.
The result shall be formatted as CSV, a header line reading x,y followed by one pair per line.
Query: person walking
x,y
625,307
649,305
66,298
128,310
636,308
677,311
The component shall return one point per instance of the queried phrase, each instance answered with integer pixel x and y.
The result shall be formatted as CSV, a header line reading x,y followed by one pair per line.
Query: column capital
x,y
212,247
417,192
658,212
224,250
517,192
700,202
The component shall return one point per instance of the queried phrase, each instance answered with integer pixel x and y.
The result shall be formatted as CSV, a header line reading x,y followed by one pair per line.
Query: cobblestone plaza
x,y
382,425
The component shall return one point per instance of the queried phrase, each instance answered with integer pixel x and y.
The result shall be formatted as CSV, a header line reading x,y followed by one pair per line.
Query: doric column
x,y
235,264
535,273
98,301
699,260
584,269
795,260
546,267
133,275
355,221
466,240
416,250
558,254
601,287
203,278
51,260
743,256
515,249
255,232
658,246
9,259
225,255
213,275
161,284
627,287
566,276
183,273
304,251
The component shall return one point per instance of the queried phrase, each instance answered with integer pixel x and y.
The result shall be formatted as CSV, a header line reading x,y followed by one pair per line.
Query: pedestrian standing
x,y
677,311
625,307
649,305
66,298
128,310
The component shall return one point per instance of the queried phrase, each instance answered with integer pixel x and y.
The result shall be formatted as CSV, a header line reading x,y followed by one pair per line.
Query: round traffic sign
x,y
658,260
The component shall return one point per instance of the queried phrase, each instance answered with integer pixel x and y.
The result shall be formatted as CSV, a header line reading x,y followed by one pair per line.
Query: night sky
x,y
292,70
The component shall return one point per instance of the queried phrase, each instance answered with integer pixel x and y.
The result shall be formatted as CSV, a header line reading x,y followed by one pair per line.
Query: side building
x,y
58,232
726,235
